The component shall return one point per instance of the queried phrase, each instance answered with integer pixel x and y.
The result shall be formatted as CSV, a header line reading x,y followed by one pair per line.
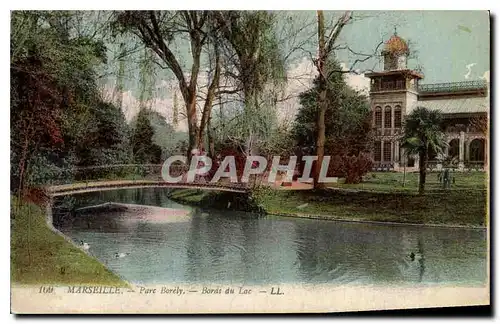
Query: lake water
x,y
232,247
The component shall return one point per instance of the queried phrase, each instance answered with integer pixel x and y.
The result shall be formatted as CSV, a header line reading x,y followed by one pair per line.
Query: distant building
x,y
396,91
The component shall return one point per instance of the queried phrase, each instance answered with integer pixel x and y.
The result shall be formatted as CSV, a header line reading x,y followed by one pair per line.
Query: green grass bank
x,y
41,256
399,182
381,198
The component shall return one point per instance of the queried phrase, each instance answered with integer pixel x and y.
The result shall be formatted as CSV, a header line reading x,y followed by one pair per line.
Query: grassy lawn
x,y
454,208
380,198
393,182
40,256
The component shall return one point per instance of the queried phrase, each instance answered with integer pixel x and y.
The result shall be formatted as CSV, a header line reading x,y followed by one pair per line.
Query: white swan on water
x,y
84,245
120,255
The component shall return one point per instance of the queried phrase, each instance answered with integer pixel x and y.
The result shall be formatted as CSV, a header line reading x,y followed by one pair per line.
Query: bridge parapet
x,y
82,187
118,176
111,172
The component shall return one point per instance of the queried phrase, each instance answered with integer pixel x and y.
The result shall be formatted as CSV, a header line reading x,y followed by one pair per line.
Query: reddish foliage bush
x,y
352,168
36,195
239,158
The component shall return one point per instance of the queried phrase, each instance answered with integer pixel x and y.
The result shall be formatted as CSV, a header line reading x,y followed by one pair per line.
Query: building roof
x,y
458,105
479,87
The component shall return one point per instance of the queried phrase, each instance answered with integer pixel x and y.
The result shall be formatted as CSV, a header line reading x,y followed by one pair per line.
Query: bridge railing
x,y
139,173
107,172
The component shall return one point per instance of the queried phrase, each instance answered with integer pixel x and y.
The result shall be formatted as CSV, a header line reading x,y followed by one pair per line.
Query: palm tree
x,y
423,134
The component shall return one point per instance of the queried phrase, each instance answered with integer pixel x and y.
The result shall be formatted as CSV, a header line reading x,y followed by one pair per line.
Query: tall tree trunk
x,y
192,125
325,48
320,119
320,139
422,165
207,108
210,137
249,118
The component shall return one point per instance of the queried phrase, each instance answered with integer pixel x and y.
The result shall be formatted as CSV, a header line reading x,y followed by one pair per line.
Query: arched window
x,y
397,117
378,117
476,150
454,149
387,117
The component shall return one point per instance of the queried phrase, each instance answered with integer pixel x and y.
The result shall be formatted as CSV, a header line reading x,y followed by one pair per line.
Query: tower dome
x,y
395,53
396,45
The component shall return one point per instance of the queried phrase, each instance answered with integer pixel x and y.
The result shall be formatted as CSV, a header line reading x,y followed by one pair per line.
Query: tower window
x,y
387,117
387,151
378,117
397,117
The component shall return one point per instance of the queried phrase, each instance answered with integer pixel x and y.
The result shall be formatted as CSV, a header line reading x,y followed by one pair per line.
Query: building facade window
x,y
397,117
387,117
476,150
378,117
377,156
387,151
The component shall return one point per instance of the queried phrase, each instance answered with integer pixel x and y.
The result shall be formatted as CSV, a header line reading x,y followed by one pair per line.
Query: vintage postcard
x,y
186,162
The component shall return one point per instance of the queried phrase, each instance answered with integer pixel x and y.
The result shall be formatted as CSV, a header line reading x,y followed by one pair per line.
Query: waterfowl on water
x,y
84,245
414,256
121,255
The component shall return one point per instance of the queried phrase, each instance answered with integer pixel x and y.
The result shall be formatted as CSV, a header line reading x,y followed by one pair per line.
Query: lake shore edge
x,y
268,204
353,220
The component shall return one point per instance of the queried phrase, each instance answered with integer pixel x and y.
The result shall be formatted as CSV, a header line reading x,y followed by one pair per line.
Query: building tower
x,y
393,94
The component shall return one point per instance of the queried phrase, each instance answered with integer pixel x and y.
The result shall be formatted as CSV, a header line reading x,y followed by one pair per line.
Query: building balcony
x,y
387,86
394,85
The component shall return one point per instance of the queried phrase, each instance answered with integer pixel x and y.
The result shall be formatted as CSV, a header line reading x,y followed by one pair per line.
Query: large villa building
x,y
397,90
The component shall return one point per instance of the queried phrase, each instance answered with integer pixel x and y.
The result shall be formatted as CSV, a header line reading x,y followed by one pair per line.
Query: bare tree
x,y
325,49
157,30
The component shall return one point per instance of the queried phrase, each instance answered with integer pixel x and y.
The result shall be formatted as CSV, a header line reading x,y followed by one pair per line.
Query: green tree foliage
x,y
422,135
257,65
254,50
56,107
348,126
165,135
144,149
107,140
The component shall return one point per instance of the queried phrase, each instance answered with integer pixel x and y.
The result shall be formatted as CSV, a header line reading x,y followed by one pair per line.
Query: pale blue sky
x,y
443,42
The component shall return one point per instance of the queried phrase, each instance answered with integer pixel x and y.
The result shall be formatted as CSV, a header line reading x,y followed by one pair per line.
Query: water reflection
x,y
223,247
